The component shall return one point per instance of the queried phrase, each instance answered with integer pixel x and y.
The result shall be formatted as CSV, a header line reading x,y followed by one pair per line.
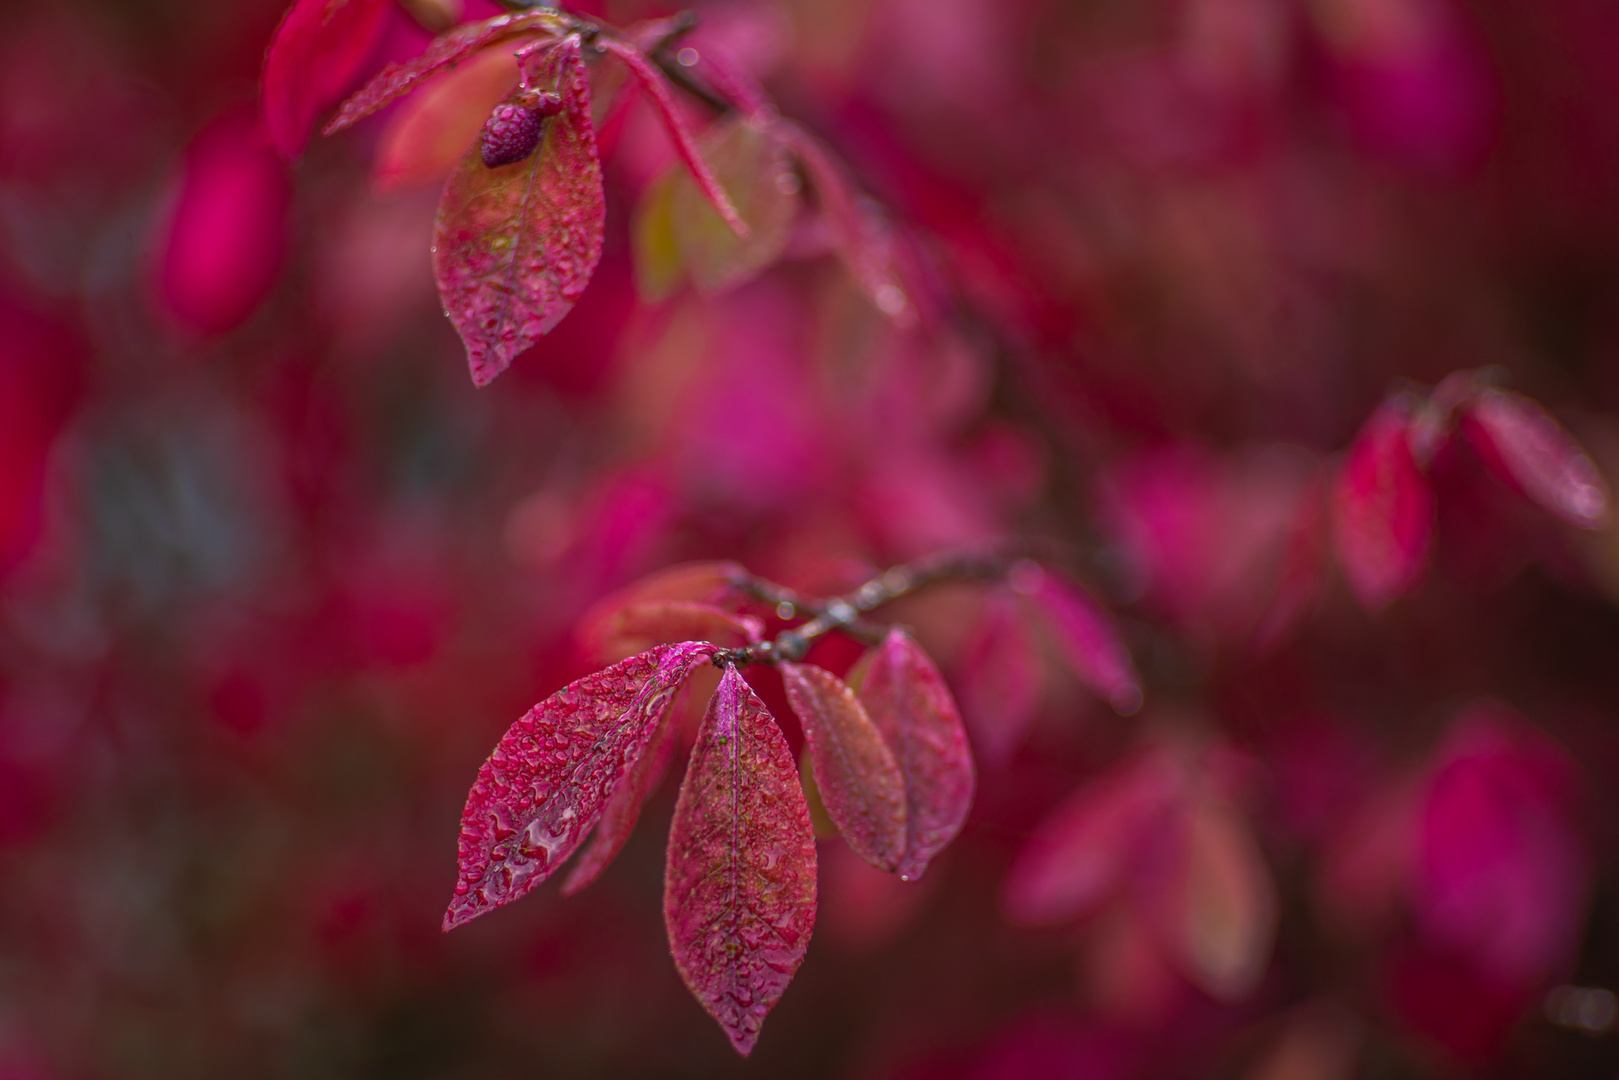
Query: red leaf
x,y
516,245
858,778
1534,455
1081,853
652,80
427,136
1084,636
315,54
999,680
907,700
552,773
638,628
1383,510
1301,573
698,582
739,890
618,820
398,79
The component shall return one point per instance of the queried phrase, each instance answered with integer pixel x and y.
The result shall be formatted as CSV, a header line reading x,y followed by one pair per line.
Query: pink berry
x,y
510,134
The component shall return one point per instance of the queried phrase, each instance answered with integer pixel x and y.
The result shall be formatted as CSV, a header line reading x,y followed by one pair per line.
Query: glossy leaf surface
x,y
1382,511
514,246
396,80
551,775
1085,637
739,891
911,706
1532,453
623,810
859,779
316,53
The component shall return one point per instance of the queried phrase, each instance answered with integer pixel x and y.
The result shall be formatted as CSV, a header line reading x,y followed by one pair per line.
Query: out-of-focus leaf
x,y
1081,853
515,246
859,780
657,87
430,133
1084,636
639,627
707,583
399,79
999,679
1382,510
1534,455
551,775
619,818
911,706
677,230
1302,571
739,890
315,54
227,240
1218,927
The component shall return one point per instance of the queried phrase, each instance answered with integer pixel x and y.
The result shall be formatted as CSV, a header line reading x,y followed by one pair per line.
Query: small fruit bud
x,y
510,134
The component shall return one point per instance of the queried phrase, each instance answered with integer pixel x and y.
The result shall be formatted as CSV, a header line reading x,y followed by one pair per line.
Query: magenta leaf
x,y
515,246
911,706
397,80
708,583
1382,510
657,87
1081,854
859,779
999,680
315,54
1533,454
739,889
639,627
622,811
551,775
1084,636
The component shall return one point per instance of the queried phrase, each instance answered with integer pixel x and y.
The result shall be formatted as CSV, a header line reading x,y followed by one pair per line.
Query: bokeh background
x,y
276,577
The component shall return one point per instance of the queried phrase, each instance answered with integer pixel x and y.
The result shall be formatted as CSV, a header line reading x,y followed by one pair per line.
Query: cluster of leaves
x,y
519,232
886,761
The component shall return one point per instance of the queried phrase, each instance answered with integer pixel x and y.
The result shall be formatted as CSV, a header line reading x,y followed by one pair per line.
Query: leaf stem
x,y
842,613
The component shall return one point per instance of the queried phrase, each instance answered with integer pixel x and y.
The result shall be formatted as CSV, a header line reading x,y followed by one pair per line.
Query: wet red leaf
x,y
1534,455
1383,510
657,87
739,891
315,54
551,775
911,706
858,777
623,810
396,80
1085,637
515,246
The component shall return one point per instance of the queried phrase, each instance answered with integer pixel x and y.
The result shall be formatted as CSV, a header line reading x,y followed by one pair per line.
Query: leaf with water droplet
x,y
911,706
1382,509
739,890
398,79
514,246
623,809
315,55
551,775
1533,454
859,779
